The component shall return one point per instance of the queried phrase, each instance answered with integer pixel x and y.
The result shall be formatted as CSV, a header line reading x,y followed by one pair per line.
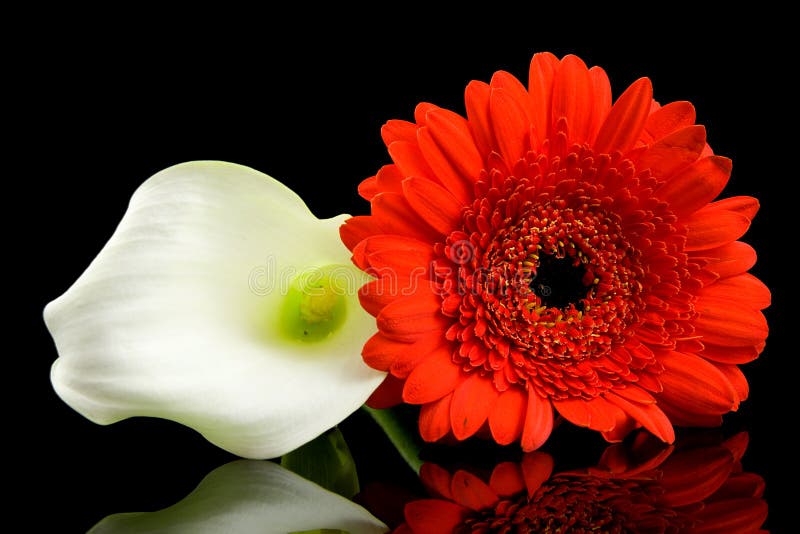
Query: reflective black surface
x,y
104,109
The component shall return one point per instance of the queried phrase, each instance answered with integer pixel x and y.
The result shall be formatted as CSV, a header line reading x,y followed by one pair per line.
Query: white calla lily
x,y
250,496
198,310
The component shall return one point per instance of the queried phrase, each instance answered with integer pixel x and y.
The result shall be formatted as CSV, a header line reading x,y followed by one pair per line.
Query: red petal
x,y
729,324
436,480
572,98
694,475
421,112
472,492
406,319
737,379
450,134
601,100
747,206
649,416
397,130
674,152
394,215
697,185
744,288
509,83
508,416
729,354
536,470
538,421
389,179
473,399
540,88
626,119
734,515
507,479
388,394
434,516
409,160
597,414
434,204
729,260
368,188
379,351
510,128
476,98
432,379
375,295
398,257
669,118
711,228
740,485
434,419
356,229
694,385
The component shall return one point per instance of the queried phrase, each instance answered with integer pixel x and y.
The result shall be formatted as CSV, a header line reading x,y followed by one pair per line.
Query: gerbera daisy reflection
x,y
554,251
698,489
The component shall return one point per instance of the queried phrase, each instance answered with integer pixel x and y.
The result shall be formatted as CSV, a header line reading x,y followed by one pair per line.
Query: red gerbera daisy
x,y
555,251
700,489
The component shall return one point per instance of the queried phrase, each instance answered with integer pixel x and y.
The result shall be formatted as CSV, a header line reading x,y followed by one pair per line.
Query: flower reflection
x,y
250,496
640,486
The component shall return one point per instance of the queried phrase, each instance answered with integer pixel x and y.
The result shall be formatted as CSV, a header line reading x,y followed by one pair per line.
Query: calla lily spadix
x,y
222,303
250,496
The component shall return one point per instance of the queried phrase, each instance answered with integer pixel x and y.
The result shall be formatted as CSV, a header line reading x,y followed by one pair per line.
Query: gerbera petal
x,y
729,354
572,98
476,99
711,228
432,379
737,379
507,418
669,118
601,100
730,259
732,515
391,213
408,318
649,416
694,385
540,88
747,206
356,229
458,186
626,119
244,496
507,479
410,160
472,492
697,185
434,204
434,516
510,128
473,400
368,188
437,480
672,153
694,475
452,135
389,179
398,130
729,324
434,419
388,394
536,469
744,288
164,323
538,422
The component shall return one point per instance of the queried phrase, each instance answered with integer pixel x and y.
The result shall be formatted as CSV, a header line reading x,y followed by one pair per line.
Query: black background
x,y
99,107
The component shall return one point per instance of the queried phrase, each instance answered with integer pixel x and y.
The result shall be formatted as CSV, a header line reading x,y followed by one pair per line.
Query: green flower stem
x,y
404,441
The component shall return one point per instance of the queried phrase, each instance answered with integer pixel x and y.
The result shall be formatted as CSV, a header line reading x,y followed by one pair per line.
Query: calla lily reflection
x,y
250,496
220,302
696,486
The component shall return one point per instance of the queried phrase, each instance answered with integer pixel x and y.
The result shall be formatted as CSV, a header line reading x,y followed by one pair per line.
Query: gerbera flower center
x,y
558,283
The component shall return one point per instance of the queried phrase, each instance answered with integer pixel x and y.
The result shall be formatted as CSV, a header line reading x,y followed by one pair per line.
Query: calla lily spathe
x,y
250,496
179,316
